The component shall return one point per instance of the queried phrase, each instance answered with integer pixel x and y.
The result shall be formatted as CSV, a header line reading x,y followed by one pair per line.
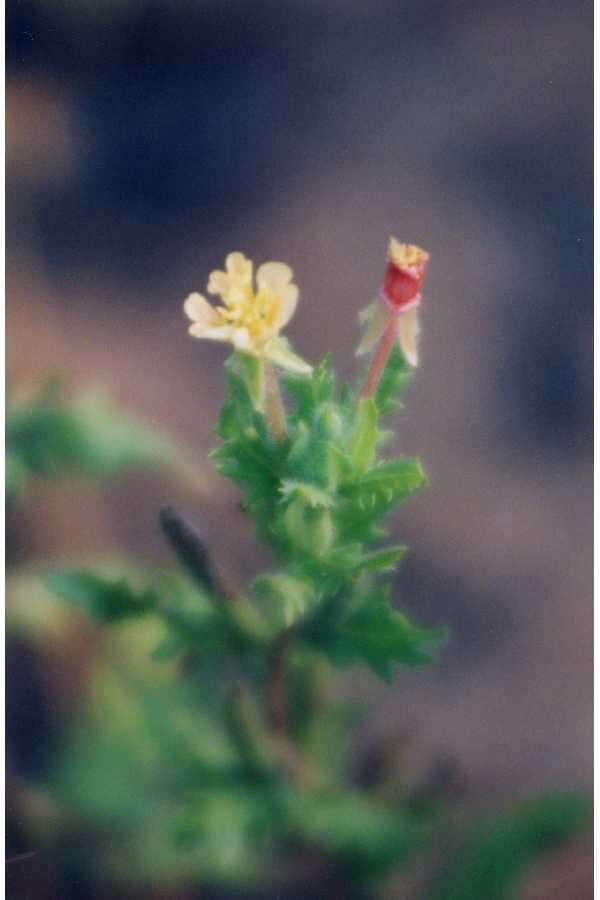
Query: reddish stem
x,y
378,363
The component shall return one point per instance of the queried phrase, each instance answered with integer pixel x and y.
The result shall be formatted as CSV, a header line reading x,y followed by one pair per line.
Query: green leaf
x,y
230,832
52,439
312,495
339,466
310,392
497,852
280,353
379,490
395,377
244,395
249,462
380,636
366,838
364,439
383,560
103,599
284,598
310,530
169,648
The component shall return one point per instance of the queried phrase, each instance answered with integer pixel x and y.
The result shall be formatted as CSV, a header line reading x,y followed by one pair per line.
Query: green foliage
x,y
379,635
49,437
318,498
231,753
497,852
195,623
103,600
394,379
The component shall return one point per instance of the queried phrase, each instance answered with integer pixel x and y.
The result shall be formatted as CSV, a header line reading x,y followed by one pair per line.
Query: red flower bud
x,y
404,275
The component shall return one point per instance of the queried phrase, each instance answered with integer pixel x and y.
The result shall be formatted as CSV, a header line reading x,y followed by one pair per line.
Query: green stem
x,y
274,408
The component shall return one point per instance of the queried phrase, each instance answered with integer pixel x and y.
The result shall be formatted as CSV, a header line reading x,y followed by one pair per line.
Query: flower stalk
x,y
379,361
274,408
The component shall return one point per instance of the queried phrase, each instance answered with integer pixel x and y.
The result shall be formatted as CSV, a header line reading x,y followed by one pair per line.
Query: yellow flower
x,y
249,318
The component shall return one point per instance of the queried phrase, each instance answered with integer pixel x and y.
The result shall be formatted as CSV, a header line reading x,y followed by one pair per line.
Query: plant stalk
x,y
276,686
379,361
274,408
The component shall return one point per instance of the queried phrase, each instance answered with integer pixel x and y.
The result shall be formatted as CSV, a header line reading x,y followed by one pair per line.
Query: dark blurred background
x,y
148,139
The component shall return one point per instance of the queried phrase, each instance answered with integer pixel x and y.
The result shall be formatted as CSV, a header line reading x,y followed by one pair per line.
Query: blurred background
x,y
146,140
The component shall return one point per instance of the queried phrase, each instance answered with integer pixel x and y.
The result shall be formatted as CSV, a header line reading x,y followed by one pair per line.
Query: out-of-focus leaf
x,y
230,831
366,838
52,438
103,599
284,598
497,852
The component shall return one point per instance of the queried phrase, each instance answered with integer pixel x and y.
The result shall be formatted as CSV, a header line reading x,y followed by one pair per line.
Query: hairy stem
x,y
378,363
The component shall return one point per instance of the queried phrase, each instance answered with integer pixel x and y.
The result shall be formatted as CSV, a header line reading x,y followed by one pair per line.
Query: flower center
x,y
258,313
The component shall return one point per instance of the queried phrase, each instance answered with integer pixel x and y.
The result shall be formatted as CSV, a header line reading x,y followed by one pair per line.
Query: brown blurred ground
x,y
144,143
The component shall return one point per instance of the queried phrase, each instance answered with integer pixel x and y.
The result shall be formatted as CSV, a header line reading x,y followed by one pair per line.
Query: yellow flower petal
x,y
273,276
237,277
218,283
217,333
239,268
241,339
289,301
198,309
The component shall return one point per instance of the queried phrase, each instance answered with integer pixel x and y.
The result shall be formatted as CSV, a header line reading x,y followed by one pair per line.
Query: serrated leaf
x,y
395,377
339,465
309,392
380,489
247,461
312,495
380,636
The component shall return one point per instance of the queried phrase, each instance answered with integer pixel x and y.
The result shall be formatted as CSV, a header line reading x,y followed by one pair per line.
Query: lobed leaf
x,y
379,635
